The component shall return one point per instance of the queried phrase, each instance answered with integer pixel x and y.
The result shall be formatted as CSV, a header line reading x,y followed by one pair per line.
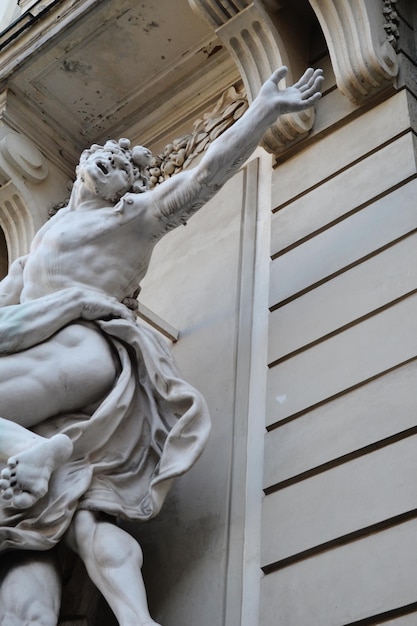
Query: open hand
x,y
302,95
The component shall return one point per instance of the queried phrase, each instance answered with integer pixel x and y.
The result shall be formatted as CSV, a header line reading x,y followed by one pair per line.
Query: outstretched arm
x,y
180,197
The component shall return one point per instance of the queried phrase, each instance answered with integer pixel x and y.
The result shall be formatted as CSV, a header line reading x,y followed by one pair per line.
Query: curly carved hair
x,y
138,157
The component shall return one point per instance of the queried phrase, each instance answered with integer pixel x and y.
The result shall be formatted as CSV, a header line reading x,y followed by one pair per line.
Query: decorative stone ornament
x,y
361,37
23,155
257,48
181,152
391,22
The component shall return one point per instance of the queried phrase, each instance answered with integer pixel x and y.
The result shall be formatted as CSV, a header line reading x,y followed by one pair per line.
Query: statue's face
x,y
106,174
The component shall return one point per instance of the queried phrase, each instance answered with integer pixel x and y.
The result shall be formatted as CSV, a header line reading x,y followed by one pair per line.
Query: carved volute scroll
x,y
258,49
20,162
16,221
361,38
22,170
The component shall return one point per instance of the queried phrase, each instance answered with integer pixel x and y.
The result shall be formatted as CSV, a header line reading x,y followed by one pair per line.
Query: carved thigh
x,y
72,369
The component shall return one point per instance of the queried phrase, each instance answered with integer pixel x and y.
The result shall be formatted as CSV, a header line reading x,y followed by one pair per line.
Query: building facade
x,y
291,293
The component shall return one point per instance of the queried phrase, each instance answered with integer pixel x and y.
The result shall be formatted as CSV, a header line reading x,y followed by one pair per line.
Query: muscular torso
x,y
95,249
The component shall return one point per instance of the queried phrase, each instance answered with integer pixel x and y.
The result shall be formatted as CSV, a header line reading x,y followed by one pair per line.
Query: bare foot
x,y
26,477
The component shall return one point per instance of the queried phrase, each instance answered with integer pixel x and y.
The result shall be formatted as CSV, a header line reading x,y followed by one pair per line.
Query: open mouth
x,y
102,167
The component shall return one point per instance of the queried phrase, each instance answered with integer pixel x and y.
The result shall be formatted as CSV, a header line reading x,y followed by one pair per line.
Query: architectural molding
x,y
258,48
30,33
16,221
29,179
361,38
20,163
391,22
24,156
17,115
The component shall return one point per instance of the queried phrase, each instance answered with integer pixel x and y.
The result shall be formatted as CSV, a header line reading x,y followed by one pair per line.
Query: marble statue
x,y
95,420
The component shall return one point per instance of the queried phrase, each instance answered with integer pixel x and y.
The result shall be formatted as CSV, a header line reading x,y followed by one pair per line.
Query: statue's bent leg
x,y
113,560
69,371
30,589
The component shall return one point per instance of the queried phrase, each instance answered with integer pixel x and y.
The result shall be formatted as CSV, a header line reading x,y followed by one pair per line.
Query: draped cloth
x,y
150,428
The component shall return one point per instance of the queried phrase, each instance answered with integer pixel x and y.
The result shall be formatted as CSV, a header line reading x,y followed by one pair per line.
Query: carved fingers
x,y
97,306
279,74
302,95
310,84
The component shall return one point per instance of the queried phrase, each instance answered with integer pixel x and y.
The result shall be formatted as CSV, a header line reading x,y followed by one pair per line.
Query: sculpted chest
x,y
93,242
74,231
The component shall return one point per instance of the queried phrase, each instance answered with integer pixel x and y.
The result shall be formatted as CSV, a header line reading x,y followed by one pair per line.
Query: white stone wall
x,y
339,514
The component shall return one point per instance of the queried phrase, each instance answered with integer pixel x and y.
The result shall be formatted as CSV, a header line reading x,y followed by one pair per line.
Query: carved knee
x,y
81,534
128,548
106,543
113,547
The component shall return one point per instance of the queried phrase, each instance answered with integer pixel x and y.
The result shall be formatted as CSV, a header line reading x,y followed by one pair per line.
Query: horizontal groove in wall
x,y
410,26
341,170
326,279
412,61
340,541
340,302
405,58
294,416
324,93
343,217
381,618
376,411
329,465
342,329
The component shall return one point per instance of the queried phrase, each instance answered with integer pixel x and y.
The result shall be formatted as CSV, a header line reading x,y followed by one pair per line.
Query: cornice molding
x,y
361,37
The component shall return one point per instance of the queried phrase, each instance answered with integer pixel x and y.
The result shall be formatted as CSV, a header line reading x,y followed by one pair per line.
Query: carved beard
x,y
110,197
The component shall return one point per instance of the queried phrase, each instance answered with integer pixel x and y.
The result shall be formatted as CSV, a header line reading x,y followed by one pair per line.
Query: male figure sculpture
x,y
94,418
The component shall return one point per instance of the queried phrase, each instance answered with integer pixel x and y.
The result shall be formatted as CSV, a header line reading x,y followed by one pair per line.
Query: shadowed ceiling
x,y
92,69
